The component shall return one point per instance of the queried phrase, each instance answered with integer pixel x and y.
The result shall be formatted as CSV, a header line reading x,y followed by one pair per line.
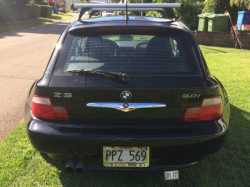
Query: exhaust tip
x,y
70,166
80,167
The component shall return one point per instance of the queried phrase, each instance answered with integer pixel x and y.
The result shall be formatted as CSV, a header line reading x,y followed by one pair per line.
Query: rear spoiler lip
x,y
79,31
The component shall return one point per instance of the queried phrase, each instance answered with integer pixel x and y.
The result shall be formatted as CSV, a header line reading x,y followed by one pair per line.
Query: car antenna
x,y
126,18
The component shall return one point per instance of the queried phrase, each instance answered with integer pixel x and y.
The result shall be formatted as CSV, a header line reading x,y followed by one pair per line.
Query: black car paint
x,y
180,144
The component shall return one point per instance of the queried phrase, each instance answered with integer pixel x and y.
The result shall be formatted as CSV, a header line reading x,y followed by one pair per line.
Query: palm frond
x,y
247,3
234,33
231,3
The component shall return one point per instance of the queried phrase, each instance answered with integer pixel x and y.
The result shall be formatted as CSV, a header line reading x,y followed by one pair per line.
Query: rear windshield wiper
x,y
122,76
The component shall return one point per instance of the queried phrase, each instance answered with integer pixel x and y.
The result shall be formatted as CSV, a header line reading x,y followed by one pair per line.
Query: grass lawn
x,y
21,165
30,23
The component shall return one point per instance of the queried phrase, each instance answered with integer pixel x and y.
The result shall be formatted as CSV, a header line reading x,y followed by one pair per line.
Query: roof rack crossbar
x,y
128,7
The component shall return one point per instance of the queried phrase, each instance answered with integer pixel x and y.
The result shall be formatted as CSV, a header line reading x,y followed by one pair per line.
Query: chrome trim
x,y
127,107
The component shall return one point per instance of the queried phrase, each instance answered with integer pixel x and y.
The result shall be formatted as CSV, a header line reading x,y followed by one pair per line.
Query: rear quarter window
x,y
145,55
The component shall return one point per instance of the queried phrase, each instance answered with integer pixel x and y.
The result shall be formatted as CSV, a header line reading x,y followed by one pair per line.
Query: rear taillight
x,y
42,108
210,109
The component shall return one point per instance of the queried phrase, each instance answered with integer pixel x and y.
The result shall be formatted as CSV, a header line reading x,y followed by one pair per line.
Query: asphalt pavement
x,y
24,55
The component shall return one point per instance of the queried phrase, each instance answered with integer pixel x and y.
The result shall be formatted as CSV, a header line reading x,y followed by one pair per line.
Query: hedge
x,y
43,3
188,14
219,7
46,11
10,13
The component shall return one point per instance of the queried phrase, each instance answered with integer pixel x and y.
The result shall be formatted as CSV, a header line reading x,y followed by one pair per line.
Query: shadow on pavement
x,y
54,28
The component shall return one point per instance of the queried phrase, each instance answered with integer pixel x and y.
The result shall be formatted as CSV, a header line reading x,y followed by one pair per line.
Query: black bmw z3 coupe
x,y
127,93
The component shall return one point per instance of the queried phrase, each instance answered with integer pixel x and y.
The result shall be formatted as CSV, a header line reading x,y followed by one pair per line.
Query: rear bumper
x,y
171,146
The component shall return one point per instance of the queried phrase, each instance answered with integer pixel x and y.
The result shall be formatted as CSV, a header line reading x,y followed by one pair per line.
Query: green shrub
x,y
46,11
32,11
15,2
63,11
43,3
188,14
216,6
219,6
32,2
154,14
37,2
10,13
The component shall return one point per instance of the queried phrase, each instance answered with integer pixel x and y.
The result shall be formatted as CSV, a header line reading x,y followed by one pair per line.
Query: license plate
x,y
171,175
126,156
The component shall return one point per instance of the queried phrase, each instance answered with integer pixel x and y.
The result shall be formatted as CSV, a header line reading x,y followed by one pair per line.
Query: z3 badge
x,y
65,95
188,96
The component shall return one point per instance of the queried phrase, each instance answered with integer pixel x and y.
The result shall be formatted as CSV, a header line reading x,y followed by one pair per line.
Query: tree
x,y
16,2
188,14
38,1
219,7
238,3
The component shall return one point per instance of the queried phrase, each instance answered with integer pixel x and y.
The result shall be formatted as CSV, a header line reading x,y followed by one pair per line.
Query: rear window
x,y
156,55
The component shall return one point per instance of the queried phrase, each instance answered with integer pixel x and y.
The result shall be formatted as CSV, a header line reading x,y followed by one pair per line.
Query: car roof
x,y
133,21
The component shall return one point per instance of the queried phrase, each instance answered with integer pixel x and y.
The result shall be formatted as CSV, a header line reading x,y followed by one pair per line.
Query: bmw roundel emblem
x,y
126,95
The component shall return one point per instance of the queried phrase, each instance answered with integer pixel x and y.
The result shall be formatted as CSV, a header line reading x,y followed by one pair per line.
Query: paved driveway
x,y
24,55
